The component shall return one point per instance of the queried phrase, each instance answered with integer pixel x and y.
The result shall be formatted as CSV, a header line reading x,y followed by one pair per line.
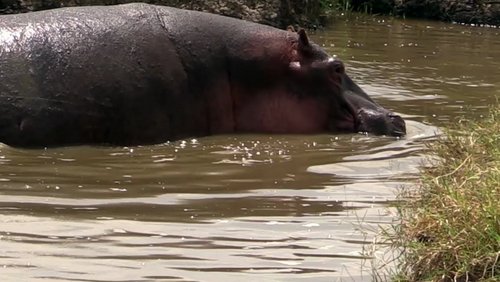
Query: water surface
x,y
249,207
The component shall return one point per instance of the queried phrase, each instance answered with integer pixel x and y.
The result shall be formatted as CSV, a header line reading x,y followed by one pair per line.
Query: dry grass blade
x,y
451,230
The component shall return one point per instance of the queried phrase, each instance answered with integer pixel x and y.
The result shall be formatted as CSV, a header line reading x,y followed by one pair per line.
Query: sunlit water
x,y
251,207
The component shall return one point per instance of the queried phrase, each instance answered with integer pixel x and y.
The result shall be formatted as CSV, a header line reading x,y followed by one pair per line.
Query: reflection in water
x,y
276,208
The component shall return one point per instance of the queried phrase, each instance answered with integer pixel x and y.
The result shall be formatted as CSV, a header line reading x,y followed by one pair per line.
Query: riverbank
x,y
309,14
450,229
461,11
278,13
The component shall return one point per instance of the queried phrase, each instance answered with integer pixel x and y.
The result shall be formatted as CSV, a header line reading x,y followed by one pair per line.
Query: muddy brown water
x,y
251,207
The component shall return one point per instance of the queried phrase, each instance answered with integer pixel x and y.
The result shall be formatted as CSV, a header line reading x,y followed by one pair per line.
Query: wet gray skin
x,y
141,74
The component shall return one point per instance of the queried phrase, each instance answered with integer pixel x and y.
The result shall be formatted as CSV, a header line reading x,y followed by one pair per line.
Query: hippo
x,y
138,74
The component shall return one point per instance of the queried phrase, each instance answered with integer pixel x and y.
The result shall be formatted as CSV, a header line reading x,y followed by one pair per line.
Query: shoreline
x,y
277,13
308,14
453,11
449,226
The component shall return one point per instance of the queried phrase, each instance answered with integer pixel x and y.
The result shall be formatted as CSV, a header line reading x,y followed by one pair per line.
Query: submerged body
x,y
142,74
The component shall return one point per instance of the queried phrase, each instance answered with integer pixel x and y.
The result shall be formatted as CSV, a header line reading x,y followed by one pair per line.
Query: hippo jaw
x,y
380,122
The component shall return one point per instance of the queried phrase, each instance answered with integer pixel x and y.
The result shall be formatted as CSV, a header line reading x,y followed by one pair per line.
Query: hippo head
x,y
369,116
351,109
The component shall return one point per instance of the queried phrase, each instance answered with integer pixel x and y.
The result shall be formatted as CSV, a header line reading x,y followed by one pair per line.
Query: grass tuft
x,y
450,226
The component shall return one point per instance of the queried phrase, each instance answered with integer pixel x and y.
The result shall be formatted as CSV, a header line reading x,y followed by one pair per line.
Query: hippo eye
x,y
338,66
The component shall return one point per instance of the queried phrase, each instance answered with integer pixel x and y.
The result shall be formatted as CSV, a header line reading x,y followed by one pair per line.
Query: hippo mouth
x,y
380,122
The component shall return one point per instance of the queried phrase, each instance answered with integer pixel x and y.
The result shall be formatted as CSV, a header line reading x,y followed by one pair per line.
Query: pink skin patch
x,y
277,111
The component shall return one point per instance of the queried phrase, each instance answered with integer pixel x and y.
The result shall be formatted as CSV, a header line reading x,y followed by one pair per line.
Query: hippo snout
x,y
398,127
381,122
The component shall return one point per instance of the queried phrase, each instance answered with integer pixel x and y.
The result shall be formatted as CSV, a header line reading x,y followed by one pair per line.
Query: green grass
x,y
450,227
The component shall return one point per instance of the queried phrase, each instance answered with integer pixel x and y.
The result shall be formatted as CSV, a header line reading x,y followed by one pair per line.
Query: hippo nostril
x,y
396,124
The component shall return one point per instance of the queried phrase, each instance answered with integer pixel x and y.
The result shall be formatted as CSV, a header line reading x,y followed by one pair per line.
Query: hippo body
x,y
142,74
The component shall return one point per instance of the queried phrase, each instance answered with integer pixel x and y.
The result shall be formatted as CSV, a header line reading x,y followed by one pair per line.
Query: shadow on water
x,y
277,208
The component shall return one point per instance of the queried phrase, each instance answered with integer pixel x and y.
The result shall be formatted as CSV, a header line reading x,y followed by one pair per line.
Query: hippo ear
x,y
303,39
290,28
